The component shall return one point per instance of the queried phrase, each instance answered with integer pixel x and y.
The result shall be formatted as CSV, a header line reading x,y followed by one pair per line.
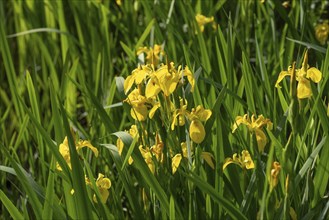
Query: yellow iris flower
x,y
137,76
197,116
133,132
244,160
157,148
202,20
179,114
175,161
322,32
303,76
254,125
209,158
274,179
152,54
64,150
103,185
146,153
166,78
184,149
138,102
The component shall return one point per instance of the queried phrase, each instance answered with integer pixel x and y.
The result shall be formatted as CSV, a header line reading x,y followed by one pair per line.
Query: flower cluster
x,y
154,92
103,184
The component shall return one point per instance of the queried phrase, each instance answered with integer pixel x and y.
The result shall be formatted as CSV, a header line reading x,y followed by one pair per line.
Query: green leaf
x,y
206,188
11,208
172,208
144,35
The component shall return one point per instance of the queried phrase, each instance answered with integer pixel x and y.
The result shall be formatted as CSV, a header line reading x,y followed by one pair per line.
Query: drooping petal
x,y
120,145
228,161
261,139
280,78
208,157
153,110
197,132
184,149
190,77
152,88
314,74
64,150
140,76
304,89
129,81
142,50
85,143
174,121
175,161
139,113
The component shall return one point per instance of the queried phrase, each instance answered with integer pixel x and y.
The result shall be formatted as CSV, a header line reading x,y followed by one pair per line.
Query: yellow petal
x,y
152,88
130,160
190,77
129,81
247,160
153,110
240,120
228,161
208,157
102,182
85,143
167,81
261,139
143,151
314,74
175,161
304,89
104,194
142,50
292,213
280,78
202,114
174,122
120,145
184,149
140,76
197,132
139,113
133,131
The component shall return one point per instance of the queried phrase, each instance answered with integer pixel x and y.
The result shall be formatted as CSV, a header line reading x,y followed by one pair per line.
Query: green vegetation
x,y
140,109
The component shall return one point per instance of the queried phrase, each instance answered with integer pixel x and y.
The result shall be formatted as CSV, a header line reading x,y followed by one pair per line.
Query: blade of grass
x,y
227,205
144,35
22,176
11,208
83,206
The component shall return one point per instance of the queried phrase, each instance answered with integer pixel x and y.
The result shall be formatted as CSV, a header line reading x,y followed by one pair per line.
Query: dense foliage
x,y
164,109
